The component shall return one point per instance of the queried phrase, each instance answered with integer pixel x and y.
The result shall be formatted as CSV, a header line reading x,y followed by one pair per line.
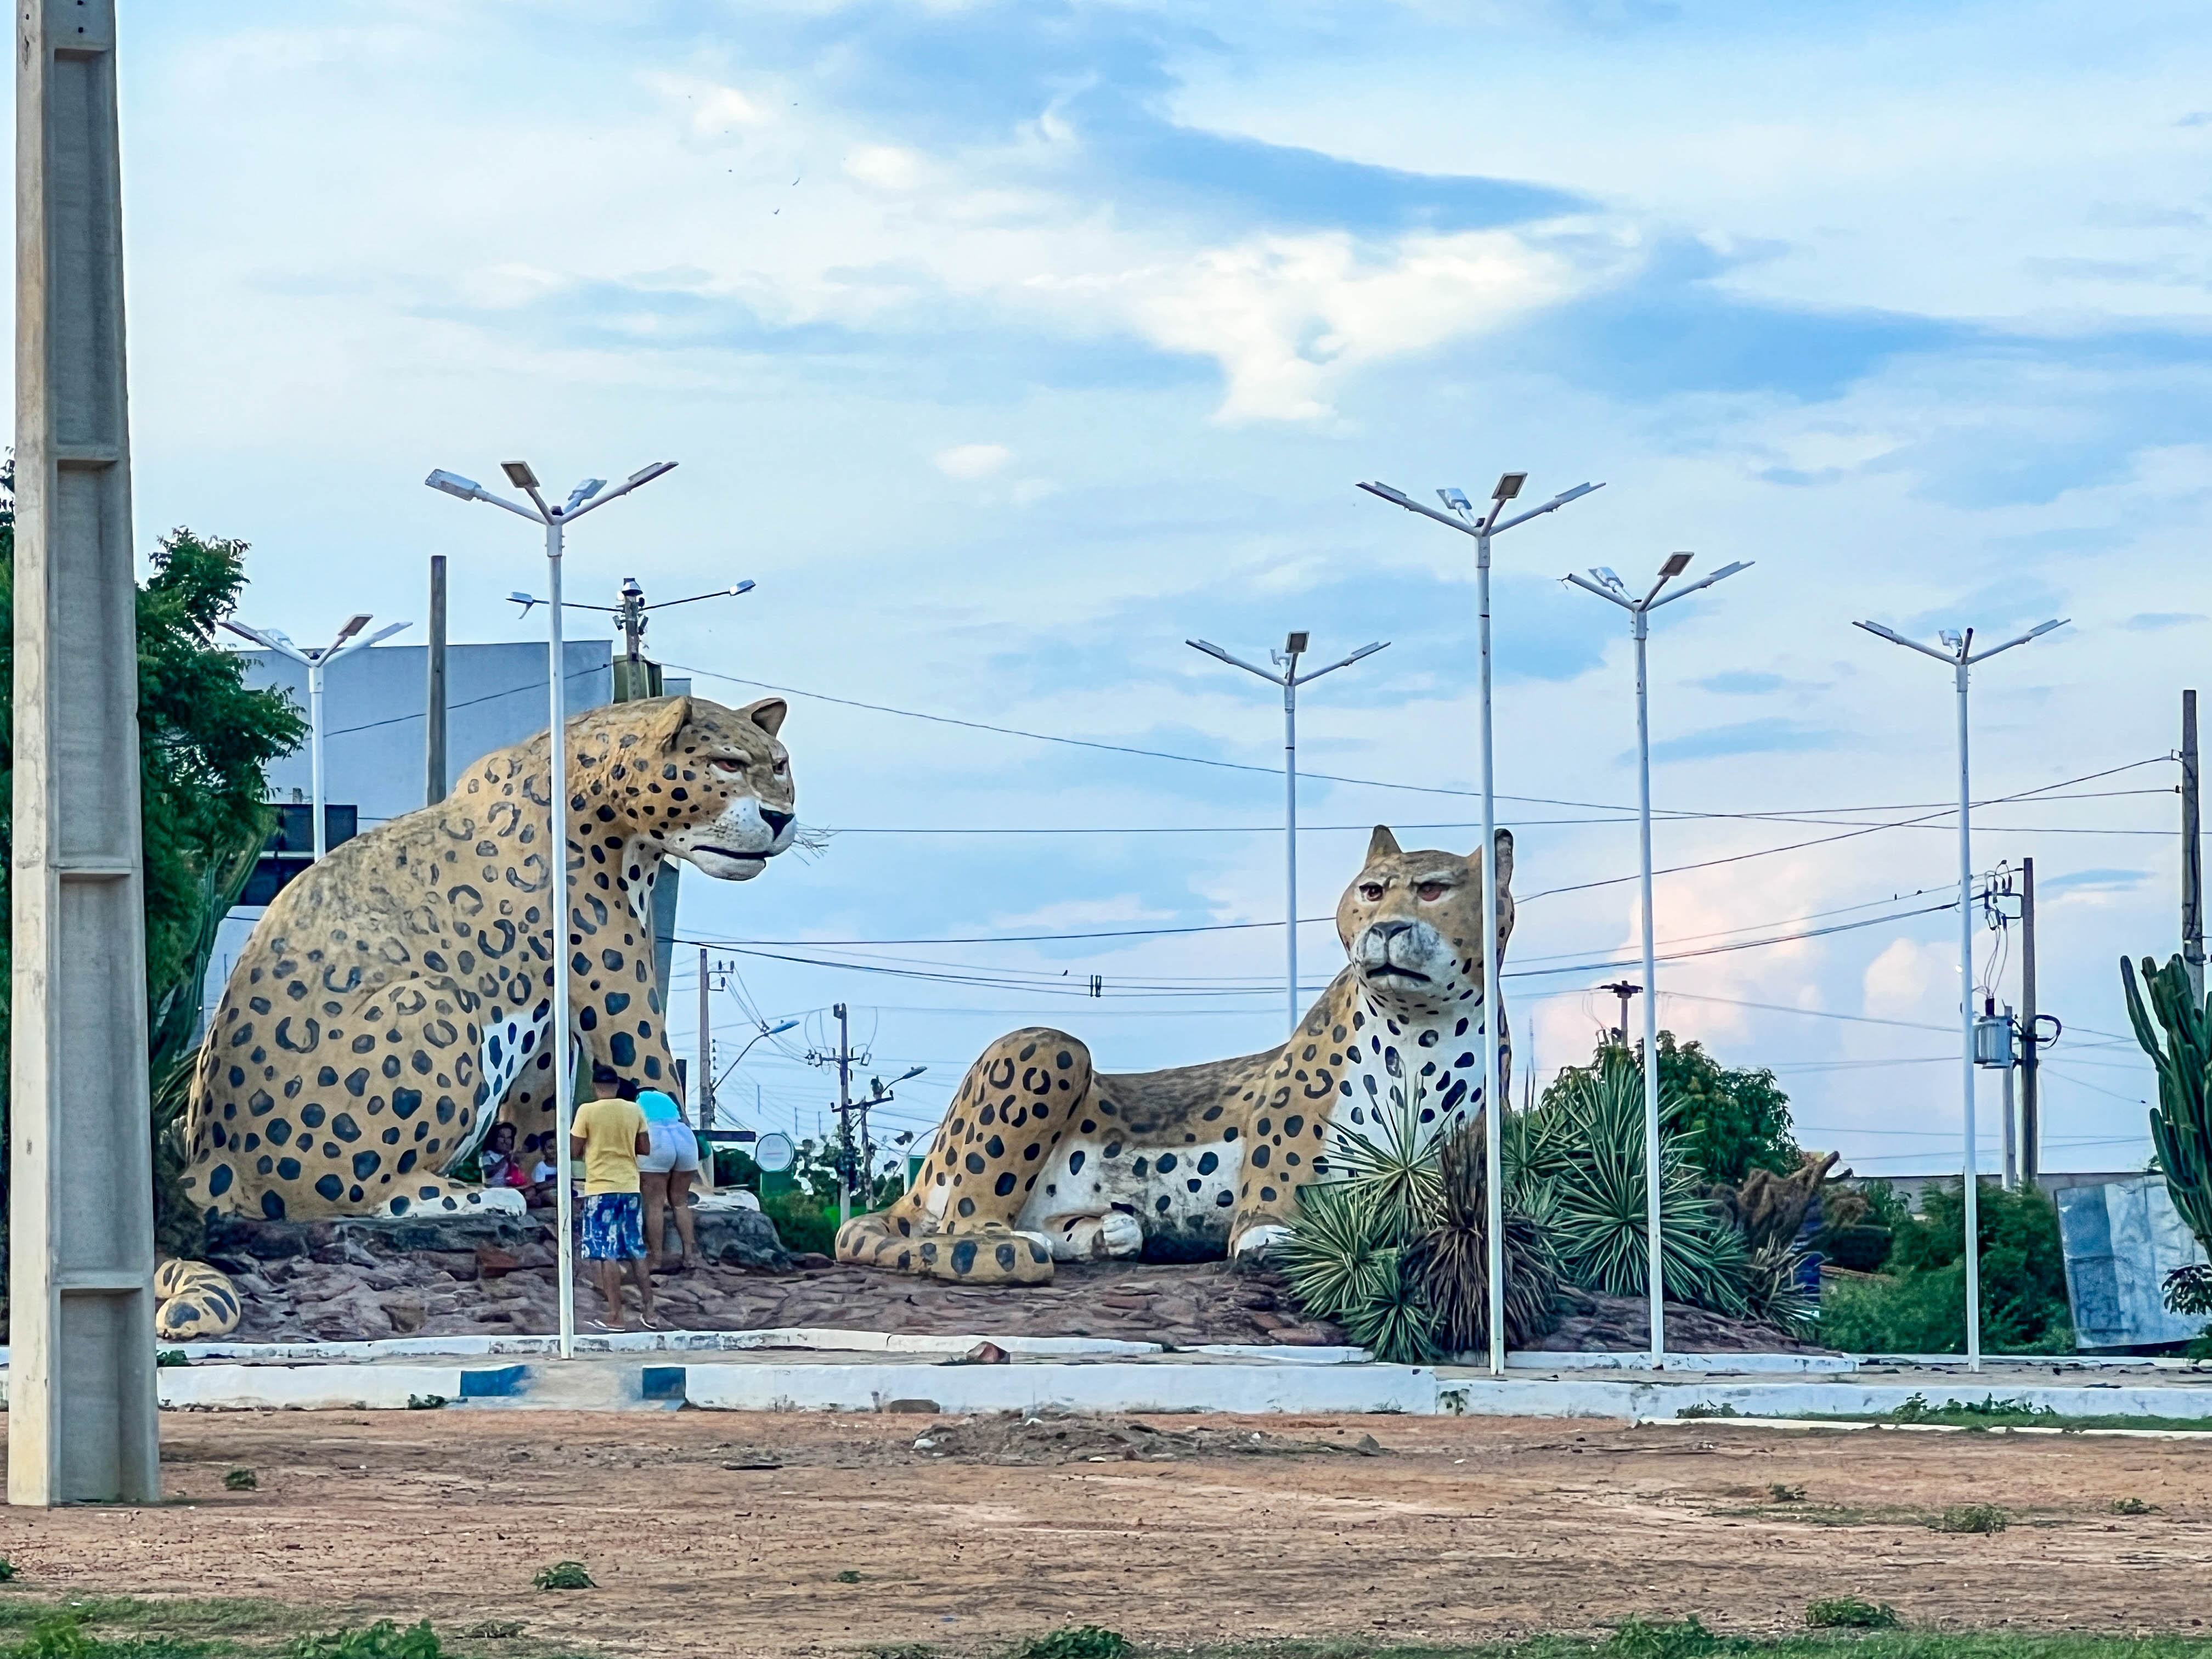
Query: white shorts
x,y
673,1148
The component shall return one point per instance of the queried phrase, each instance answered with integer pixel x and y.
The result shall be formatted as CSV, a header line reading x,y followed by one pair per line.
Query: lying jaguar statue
x,y
397,998
1040,1158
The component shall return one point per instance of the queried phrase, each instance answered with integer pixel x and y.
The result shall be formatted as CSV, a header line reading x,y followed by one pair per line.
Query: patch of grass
x,y
1992,1413
240,1481
1701,1409
1078,1641
1639,1638
426,1402
382,1640
2133,1506
1776,1492
1971,1517
166,1356
7,1570
563,1575
904,1650
1850,1613
493,1630
848,1577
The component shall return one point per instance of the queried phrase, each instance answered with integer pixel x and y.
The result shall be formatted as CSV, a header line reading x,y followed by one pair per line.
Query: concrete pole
x,y
2192,868
844,1119
82,1423
1972,1189
2011,1151
2031,1080
703,1090
434,717
1654,1183
315,750
1493,1004
565,1091
1291,836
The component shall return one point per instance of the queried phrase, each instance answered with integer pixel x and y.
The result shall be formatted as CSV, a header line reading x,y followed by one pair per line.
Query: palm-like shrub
x,y
1582,1150
1393,1245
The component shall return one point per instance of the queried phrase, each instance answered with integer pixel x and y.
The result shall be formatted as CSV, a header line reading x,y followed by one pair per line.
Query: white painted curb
x,y
1516,1397
1258,1389
304,1387
1800,1364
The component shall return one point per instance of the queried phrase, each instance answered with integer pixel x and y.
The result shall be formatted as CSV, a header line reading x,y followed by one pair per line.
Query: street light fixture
x,y
585,498
1609,587
879,1093
765,1031
1462,517
1287,677
1958,651
348,641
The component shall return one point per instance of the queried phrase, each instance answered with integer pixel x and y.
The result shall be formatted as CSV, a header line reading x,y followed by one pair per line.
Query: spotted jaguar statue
x,y
397,999
1042,1158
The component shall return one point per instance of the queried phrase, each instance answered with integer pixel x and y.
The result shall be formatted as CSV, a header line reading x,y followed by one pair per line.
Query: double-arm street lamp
x,y
1608,586
1286,675
1958,651
350,639
587,497
1461,515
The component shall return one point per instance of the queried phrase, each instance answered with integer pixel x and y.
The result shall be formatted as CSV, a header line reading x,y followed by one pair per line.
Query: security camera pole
x,y
1958,651
1610,587
585,498
1462,517
348,641
1290,679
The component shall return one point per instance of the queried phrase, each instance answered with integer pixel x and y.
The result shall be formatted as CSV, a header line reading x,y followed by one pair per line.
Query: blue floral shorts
x,y
612,1229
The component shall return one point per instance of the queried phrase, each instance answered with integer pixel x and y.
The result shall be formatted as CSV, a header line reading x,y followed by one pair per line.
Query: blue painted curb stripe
x,y
488,1382
661,1381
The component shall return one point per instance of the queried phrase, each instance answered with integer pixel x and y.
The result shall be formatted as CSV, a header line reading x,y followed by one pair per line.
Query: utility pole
x,y
2031,1094
2192,869
82,1420
2011,1151
433,716
844,1118
704,1103
1624,989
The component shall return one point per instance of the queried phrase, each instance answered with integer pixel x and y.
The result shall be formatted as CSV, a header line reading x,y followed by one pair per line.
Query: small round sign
x,y
775,1153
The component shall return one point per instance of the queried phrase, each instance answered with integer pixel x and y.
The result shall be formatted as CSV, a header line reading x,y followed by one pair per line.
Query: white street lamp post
x,y
582,499
1958,651
1290,679
1482,527
1609,587
348,641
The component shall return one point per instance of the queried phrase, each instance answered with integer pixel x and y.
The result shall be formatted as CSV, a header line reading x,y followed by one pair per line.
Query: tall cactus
x,y
2181,1127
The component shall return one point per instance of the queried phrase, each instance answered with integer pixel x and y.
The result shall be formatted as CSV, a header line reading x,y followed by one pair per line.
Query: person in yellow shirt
x,y
608,1135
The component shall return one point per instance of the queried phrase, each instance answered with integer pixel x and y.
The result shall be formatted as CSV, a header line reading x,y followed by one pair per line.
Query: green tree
x,y
1918,1303
1731,1120
205,741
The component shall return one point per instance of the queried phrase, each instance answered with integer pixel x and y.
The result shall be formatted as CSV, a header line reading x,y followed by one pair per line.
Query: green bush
x,y
1730,1120
563,1575
382,1640
1638,1638
240,1481
801,1222
1851,1613
1919,1305
1078,1641
1971,1517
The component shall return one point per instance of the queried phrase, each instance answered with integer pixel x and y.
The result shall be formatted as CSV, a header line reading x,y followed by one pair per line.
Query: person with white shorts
x,y
665,1176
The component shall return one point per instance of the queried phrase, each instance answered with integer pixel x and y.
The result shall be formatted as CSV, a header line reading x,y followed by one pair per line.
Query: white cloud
x,y
885,167
971,461
711,111
1911,980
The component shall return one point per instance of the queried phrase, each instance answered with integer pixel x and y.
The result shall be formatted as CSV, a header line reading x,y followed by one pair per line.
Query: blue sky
x,y
1007,346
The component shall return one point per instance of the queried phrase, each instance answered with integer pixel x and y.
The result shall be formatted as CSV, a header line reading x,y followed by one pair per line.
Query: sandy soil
x,y
714,1534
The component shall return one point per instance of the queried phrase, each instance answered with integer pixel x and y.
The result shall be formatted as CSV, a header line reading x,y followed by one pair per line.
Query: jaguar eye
x,y
1371,891
782,767
727,767
1432,890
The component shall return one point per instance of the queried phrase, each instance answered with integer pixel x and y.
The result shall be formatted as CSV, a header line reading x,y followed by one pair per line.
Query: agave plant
x,y
1333,1258
1773,1292
1585,1148
1393,1165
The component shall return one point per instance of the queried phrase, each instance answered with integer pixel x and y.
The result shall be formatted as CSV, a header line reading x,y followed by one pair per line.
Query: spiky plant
x,y
1589,1154
2181,1048
1455,1255
1772,1292
1331,1256
1392,1161
1393,1320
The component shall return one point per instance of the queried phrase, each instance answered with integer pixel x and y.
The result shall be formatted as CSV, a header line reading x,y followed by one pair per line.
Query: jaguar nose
x,y
776,821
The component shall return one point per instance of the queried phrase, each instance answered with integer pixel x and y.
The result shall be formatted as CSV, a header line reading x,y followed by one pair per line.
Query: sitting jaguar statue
x,y
397,998
1040,1158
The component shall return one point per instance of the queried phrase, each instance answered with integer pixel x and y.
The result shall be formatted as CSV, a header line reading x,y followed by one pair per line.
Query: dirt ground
x,y
725,1534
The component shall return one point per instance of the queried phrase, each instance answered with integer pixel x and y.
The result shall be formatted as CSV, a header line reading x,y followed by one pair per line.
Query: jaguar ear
x,y
668,725
1382,844
767,714
1505,860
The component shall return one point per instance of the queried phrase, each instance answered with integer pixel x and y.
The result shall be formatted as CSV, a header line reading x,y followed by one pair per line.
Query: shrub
x,y
1971,1517
848,1577
2132,1506
563,1575
1850,1613
382,1640
1637,1639
1918,1306
1728,1121
1078,1641
493,1630
7,1570
801,1222
1580,1157
57,1636
240,1481
426,1402
167,1357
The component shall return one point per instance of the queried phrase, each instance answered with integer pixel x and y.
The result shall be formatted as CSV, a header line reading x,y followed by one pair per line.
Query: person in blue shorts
x,y
608,1135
